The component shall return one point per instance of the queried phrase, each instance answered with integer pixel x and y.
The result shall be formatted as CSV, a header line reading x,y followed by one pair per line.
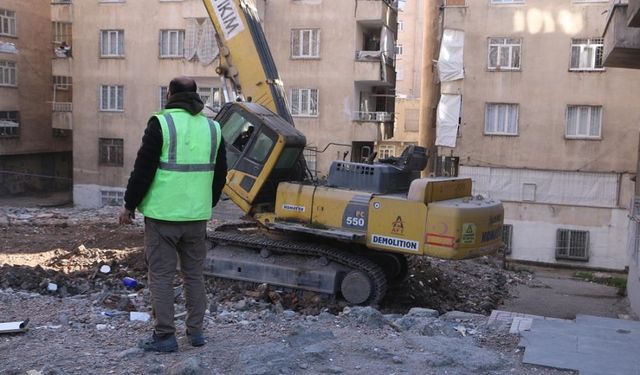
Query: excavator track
x,y
358,263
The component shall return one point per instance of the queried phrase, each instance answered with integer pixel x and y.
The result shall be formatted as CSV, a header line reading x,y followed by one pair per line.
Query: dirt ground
x,y
83,325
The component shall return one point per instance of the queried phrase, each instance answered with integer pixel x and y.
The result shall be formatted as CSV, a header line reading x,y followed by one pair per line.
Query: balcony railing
x,y
373,116
62,107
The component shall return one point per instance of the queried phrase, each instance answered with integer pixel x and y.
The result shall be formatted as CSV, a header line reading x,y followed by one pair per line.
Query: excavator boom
x,y
245,58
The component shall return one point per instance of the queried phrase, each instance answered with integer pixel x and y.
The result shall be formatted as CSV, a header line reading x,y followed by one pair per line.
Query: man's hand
x,y
126,216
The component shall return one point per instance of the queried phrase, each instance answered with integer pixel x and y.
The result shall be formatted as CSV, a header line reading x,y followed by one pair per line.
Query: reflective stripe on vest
x,y
172,165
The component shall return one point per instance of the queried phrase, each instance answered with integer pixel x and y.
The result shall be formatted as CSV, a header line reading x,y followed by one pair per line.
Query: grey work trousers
x,y
165,241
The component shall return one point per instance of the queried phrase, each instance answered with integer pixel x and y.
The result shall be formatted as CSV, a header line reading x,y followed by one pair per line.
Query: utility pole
x,y
429,89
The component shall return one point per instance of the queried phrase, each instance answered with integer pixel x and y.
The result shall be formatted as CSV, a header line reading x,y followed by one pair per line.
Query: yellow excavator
x,y
348,236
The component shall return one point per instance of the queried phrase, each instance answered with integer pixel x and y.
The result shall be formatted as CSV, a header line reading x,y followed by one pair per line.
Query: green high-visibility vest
x,y
181,188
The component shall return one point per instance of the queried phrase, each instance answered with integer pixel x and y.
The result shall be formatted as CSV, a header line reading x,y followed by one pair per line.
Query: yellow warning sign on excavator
x,y
468,233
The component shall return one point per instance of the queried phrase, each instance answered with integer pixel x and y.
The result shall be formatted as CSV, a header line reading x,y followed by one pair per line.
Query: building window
x,y
61,133
584,121
304,102
501,119
507,238
211,97
163,96
7,22
504,53
311,157
62,83
61,32
572,244
111,98
586,54
112,197
386,151
400,25
507,1
305,43
8,73
111,151
398,49
9,124
399,73
111,43
171,43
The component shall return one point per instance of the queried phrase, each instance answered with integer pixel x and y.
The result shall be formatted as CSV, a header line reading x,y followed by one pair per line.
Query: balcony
x,y
374,67
621,43
62,115
377,11
373,116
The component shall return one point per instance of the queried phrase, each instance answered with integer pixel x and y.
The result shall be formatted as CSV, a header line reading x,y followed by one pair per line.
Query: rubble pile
x,y
67,247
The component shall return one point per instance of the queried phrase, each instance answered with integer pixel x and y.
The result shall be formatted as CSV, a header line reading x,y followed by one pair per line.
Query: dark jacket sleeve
x,y
220,176
144,168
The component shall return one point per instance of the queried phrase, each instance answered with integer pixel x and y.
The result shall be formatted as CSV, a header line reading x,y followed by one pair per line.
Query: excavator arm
x,y
263,147
245,58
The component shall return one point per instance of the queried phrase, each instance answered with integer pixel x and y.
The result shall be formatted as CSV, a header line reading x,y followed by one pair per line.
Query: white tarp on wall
x,y
551,187
447,121
450,61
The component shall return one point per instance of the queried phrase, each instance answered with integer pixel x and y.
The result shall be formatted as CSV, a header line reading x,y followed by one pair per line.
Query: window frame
x,y
400,26
9,19
507,231
499,133
120,44
119,98
118,149
297,37
563,251
577,127
299,105
398,49
500,46
6,115
11,66
386,151
163,96
180,40
598,53
211,92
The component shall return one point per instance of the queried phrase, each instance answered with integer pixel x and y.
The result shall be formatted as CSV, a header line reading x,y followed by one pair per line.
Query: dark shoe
x,y
196,339
156,344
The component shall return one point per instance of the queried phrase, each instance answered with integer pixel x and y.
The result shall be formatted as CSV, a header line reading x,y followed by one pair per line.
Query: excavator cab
x,y
262,151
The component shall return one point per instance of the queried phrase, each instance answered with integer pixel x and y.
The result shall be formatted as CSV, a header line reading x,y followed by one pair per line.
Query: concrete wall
x,y
142,73
32,95
411,59
607,233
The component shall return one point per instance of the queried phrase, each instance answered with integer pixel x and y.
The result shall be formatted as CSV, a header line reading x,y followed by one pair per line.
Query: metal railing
x,y
62,107
373,116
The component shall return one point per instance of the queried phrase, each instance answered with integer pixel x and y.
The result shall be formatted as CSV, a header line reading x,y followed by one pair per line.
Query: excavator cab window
x,y
236,132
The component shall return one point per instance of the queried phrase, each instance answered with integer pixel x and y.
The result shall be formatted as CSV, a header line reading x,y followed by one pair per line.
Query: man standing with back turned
x,y
177,178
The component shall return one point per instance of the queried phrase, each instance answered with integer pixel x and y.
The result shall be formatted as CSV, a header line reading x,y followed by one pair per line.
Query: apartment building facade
x,y
34,155
336,61
545,127
408,54
338,79
622,50
124,53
